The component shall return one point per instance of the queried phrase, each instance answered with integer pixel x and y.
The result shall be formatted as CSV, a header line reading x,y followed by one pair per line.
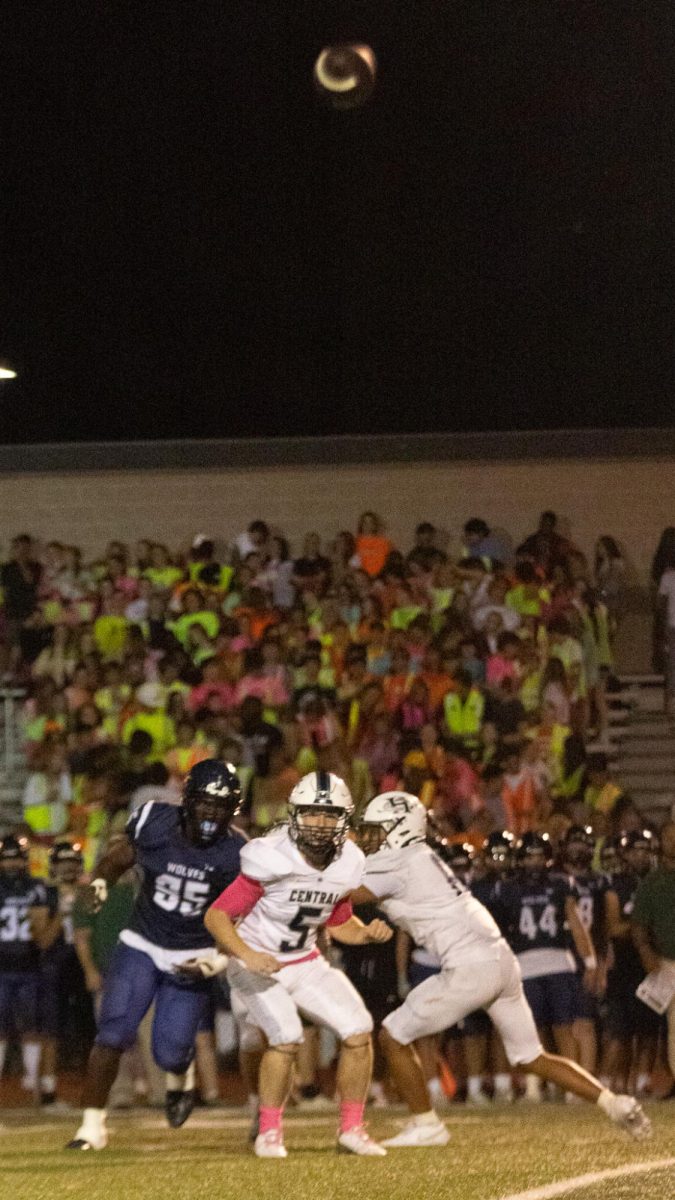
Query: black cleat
x,y
79,1144
254,1128
178,1106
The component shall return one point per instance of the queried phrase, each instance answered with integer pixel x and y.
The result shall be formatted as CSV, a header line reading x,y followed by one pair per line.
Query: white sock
x,y
474,1086
93,1124
427,1118
503,1084
3,1055
181,1083
253,1101
532,1086
642,1082
48,1083
436,1089
604,1100
30,1053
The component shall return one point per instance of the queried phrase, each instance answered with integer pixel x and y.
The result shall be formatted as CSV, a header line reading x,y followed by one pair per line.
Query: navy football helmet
x,y
211,799
534,852
13,855
578,846
498,850
639,849
66,861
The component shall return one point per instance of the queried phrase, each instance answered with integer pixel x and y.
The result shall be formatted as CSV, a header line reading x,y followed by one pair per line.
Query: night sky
x,y
193,247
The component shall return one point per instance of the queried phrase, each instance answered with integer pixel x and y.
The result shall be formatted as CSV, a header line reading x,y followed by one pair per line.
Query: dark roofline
x,y
215,454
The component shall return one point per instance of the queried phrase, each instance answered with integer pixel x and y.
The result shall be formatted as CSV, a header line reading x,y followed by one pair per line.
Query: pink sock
x,y
269,1118
351,1115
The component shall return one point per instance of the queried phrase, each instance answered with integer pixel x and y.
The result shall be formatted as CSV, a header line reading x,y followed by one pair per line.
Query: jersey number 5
x,y
185,895
301,924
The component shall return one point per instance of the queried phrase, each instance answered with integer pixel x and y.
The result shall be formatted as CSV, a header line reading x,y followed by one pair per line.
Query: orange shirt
x,y
372,550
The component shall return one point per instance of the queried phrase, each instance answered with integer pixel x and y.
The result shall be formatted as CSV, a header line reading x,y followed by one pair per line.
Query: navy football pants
x,y
132,983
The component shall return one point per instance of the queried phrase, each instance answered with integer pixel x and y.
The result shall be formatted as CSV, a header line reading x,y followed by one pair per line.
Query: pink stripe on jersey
x,y
240,897
341,913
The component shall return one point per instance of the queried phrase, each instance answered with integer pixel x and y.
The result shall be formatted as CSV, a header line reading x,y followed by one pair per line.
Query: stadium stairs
x,y
640,744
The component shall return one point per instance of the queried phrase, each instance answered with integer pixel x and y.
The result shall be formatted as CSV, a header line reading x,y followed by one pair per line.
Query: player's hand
x,y
202,968
377,931
261,963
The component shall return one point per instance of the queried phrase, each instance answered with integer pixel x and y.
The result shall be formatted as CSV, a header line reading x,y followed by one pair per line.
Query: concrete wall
x,y
632,499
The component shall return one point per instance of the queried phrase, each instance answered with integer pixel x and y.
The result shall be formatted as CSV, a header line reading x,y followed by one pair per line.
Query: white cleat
x,y
359,1141
270,1145
625,1112
420,1135
87,1139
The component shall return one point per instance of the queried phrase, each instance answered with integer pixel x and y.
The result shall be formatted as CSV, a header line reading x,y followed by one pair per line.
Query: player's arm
x,y
118,858
582,941
344,927
45,927
92,975
235,902
617,927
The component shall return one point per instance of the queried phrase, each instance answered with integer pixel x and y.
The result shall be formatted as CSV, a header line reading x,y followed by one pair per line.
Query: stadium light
x,y
7,370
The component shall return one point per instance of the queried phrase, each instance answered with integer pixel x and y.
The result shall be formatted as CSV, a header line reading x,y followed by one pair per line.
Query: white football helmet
x,y
315,793
400,817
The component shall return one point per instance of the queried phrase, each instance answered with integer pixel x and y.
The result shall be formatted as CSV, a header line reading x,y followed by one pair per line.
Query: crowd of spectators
x,y
474,680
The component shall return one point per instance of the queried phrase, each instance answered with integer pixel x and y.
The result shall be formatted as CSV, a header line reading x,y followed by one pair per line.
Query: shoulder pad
x,y
152,823
261,860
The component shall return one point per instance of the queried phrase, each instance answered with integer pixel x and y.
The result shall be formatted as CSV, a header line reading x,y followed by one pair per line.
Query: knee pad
x,y
357,1040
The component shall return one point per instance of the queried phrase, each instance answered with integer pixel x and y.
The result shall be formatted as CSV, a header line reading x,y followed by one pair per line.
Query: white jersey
x,y
298,899
419,893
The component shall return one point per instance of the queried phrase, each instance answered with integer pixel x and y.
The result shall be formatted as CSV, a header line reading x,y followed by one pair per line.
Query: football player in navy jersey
x,y
62,986
23,902
577,851
632,1027
188,857
539,907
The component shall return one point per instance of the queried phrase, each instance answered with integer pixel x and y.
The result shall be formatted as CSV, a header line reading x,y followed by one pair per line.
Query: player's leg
x,y
271,1010
476,1044
25,1003
440,1002
128,992
181,1006
50,1028
325,995
501,1070
513,1018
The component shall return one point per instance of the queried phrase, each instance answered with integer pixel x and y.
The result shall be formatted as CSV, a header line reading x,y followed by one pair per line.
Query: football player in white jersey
x,y
294,882
418,892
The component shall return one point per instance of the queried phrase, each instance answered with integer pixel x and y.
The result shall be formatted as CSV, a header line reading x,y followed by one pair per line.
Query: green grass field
x,y
492,1154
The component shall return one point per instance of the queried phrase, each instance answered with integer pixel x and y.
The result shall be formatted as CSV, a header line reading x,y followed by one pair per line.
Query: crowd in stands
x,y
475,680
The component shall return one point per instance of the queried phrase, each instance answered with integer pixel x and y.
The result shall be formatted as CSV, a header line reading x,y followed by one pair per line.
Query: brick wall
x,y
631,499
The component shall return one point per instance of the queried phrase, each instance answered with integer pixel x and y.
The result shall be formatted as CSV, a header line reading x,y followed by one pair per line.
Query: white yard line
x,y
563,1186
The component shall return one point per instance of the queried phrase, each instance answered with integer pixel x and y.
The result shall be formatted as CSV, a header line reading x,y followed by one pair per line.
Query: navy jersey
x,y
592,888
18,894
534,911
488,891
627,961
180,881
